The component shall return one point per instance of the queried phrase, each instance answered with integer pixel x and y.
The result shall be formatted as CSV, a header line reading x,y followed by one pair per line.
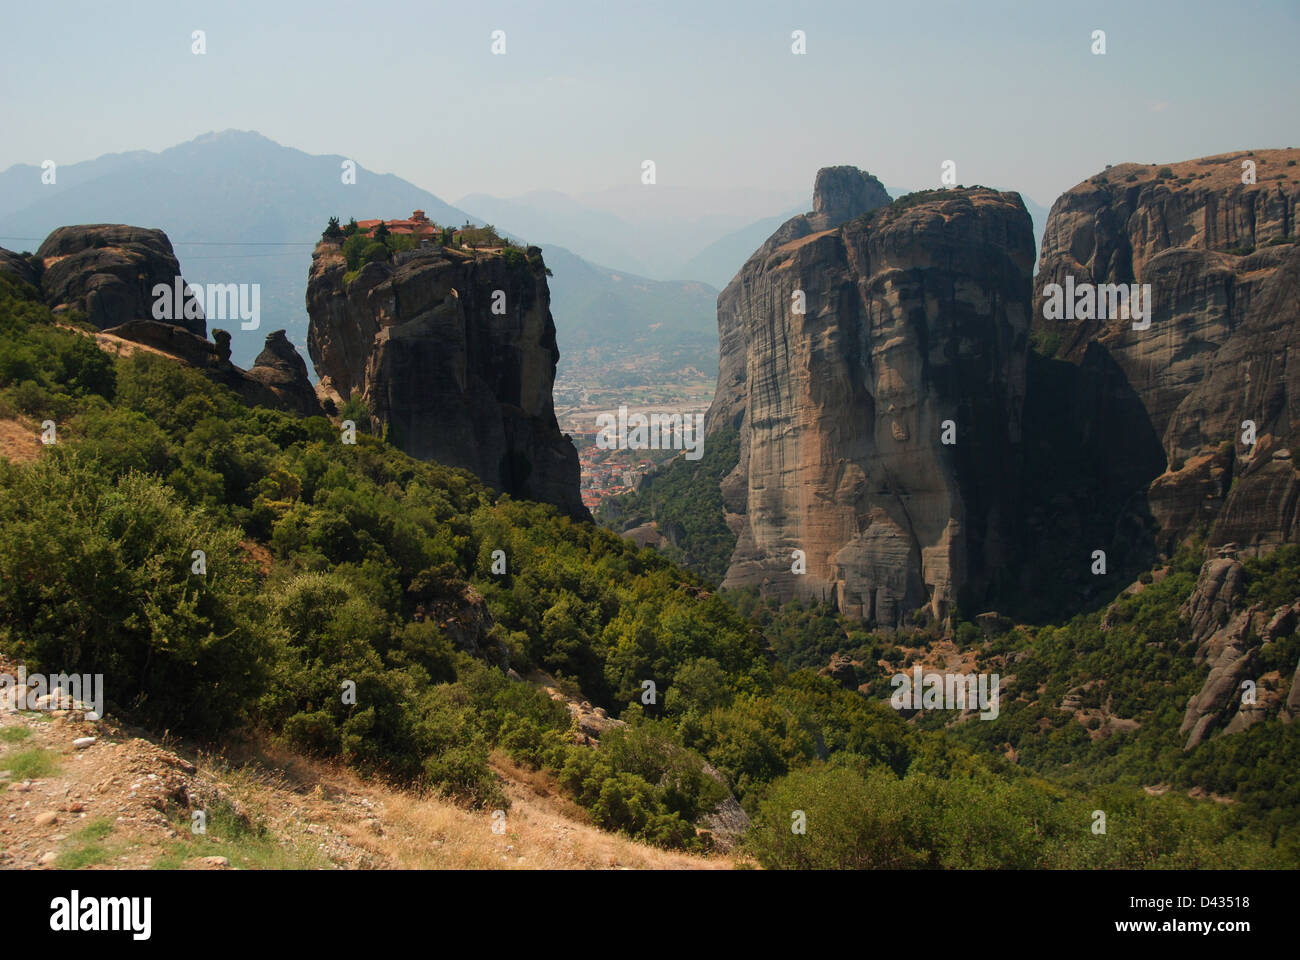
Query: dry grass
x,y
541,831
391,828
19,442
271,808
117,346
1219,172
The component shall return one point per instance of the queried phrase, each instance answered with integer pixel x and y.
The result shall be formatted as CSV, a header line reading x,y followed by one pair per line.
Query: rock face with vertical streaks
x,y
851,342
454,355
1223,345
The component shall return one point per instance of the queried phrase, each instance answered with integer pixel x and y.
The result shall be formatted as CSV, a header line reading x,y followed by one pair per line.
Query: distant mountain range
x,y
658,231
239,207
722,259
669,239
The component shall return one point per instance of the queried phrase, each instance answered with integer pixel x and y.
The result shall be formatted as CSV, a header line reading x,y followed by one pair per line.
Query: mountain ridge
x,y
271,202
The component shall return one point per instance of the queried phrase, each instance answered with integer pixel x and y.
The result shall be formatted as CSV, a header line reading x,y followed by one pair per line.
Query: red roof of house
x,y
417,224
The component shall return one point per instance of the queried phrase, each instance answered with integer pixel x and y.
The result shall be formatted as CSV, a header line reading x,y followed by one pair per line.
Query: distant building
x,y
418,225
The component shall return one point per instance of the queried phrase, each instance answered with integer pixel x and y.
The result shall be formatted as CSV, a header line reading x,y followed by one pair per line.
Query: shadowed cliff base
x,y
1090,454
1215,240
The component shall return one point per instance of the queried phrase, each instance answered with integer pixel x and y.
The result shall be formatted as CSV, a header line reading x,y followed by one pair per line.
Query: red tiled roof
x,y
417,224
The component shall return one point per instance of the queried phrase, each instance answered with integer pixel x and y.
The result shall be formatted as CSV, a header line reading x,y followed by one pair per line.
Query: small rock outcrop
x,y
853,343
461,615
454,355
281,369
1231,653
109,271
842,670
1219,586
1293,698
1229,635
278,378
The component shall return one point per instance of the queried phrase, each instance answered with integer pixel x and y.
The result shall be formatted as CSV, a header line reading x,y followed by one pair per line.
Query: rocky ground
x,y
76,793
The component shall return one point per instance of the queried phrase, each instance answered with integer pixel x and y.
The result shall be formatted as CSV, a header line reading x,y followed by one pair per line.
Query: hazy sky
x,y
709,90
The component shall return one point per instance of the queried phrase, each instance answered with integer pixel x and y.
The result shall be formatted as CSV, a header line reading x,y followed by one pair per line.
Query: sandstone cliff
x,y
448,376
916,313
108,271
1223,266
1224,269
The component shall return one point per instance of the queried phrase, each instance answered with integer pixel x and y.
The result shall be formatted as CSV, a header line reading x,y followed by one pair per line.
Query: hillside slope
x,y
128,801
376,612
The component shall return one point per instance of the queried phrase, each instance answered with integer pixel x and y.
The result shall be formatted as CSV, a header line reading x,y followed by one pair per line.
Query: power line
x,y
210,243
246,256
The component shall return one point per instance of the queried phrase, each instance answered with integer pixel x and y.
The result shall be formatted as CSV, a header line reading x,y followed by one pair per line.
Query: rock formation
x,y
108,272
18,266
283,372
278,378
1228,635
839,195
454,355
915,314
1223,265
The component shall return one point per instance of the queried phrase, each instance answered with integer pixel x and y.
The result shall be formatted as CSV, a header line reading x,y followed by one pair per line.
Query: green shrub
x,y
355,410
95,577
399,242
378,570
123,440
1047,343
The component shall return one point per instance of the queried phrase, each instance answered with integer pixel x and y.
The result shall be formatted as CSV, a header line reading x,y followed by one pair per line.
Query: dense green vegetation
x,y
340,605
44,371
1134,659
684,500
360,249
869,818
